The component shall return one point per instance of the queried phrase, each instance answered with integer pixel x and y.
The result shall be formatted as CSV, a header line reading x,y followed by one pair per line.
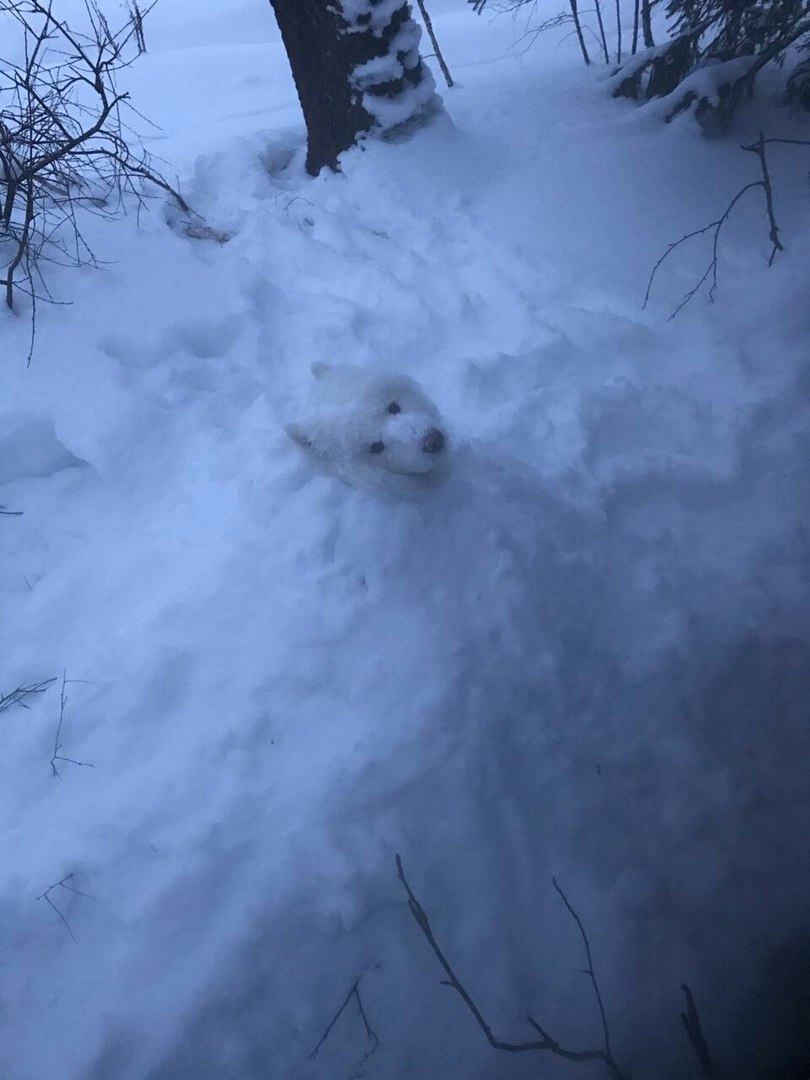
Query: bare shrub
x,y
65,144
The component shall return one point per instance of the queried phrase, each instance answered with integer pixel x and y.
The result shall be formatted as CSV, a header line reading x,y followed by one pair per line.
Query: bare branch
x,y
711,269
589,970
602,35
578,26
46,896
758,148
618,32
57,745
354,993
64,143
546,1042
434,42
694,1030
19,696
715,227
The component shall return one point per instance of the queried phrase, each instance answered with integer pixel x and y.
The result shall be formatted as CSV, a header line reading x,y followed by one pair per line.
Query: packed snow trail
x,y
587,656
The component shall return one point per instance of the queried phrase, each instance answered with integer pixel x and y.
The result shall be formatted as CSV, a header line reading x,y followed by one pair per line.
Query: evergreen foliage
x,y
716,50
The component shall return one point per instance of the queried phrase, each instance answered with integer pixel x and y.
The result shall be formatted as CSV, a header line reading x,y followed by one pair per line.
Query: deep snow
x,y
588,656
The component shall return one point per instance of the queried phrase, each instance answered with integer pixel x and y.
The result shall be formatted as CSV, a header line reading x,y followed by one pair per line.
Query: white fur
x,y
350,414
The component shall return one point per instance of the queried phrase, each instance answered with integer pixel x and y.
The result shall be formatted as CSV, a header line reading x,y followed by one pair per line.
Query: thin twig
x,y
434,42
589,970
64,143
33,337
57,745
618,32
602,35
758,148
46,896
711,269
578,26
18,696
354,992
786,142
694,1030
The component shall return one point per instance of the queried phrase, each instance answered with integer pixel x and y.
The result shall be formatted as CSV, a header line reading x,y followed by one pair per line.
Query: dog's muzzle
x,y
433,442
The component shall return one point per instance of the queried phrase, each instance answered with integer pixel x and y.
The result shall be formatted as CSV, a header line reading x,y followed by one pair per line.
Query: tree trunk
x,y
618,32
646,23
578,25
602,36
354,72
426,19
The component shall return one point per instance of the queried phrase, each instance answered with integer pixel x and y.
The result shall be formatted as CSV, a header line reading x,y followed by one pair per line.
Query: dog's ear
x,y
320,368
298,434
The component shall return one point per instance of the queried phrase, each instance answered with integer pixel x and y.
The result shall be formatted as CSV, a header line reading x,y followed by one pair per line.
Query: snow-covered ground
x,y
587,656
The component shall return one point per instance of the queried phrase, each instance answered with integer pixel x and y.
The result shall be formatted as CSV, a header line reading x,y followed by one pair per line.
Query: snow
x,y
388,67
414,103
587,656
706,83
410,106
370,14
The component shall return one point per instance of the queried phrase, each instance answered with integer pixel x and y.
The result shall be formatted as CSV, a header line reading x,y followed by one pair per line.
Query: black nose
x,y
433,442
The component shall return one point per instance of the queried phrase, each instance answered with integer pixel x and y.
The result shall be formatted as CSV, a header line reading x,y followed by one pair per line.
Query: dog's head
x,y
364,424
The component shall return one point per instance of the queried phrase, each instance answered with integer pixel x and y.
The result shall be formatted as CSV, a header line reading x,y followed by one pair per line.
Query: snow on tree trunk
x,y
357,70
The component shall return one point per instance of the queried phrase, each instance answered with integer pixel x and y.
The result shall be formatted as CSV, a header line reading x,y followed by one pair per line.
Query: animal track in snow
x,y
29,447
206,339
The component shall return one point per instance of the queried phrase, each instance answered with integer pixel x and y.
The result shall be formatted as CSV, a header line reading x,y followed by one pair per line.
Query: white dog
x,y
374,431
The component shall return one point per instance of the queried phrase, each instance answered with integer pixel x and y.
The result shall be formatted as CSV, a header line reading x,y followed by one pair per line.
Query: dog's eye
x,y
376,447
393,408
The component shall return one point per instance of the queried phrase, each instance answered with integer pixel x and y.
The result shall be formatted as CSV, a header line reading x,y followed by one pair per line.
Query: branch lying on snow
x,y
694,1031
57,745
711,269
46,896
690,1019
715,227
371,1035
546,1042
18,696
589,970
